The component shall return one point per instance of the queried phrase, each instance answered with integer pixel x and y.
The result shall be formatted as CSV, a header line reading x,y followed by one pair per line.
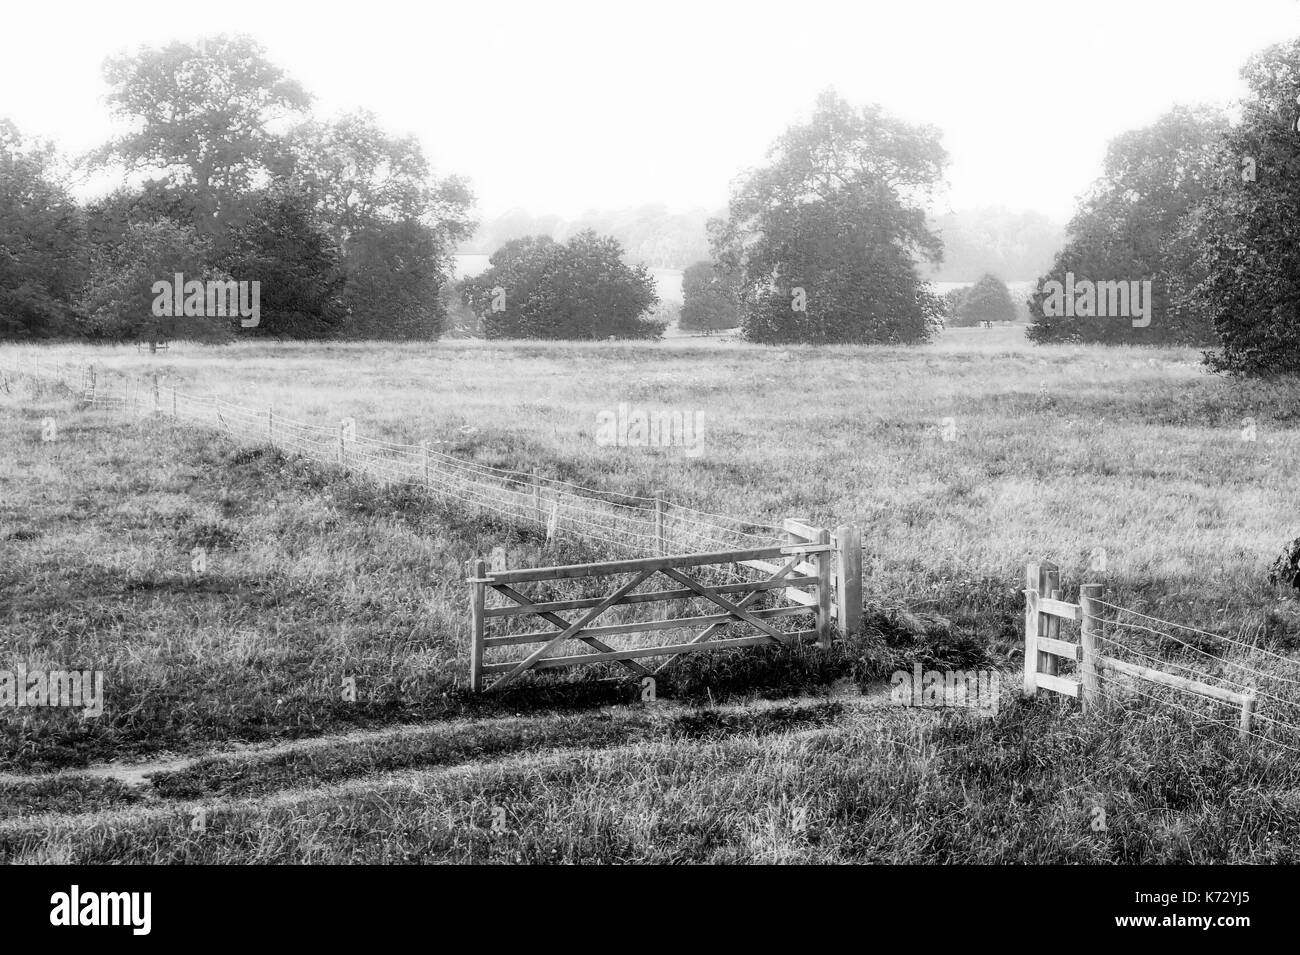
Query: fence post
x,y
1247,711
1049,625
343,459
553,522
848,570
270,425
424,453
537,499
660,547
1089,594
1031,629
157,404
477,571
825,561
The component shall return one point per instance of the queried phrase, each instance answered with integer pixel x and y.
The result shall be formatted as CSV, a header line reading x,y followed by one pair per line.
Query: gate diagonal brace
x,y
726,605
710,630
573,628
562,624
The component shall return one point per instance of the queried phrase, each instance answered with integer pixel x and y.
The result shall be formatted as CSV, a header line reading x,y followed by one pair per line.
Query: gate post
x,y
848,571
477,592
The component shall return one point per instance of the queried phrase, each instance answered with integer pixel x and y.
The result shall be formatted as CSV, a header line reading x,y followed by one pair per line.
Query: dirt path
x,y
138,774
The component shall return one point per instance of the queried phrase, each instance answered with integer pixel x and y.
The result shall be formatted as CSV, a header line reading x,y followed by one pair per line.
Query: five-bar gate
x,y
799,574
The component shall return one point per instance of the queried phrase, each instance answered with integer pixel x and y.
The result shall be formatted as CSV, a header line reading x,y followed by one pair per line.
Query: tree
x,y
397,224
1246,261
582,289
360,176
459,319
201,115
118,302
42,241
988,300
825,238
708,299
108,219
285,248
951,301
393,278
1127,230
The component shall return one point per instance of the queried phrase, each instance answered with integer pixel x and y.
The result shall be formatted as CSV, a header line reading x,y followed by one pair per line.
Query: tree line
x,y
1187,237
226,178
1207,211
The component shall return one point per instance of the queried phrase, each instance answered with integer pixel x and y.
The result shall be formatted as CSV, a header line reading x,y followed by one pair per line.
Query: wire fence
x,y
628,524
1204,660
639,526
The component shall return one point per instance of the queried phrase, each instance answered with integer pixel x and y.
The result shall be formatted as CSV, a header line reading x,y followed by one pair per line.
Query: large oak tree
x,y
826,237
200,117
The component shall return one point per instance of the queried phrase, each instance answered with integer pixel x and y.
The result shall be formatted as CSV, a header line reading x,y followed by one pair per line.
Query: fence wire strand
x,y
626,522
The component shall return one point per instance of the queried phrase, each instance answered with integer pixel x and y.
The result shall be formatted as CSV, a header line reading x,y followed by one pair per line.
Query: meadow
x,y
961,461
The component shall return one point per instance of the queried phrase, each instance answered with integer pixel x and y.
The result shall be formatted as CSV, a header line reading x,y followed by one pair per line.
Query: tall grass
x,y
315,578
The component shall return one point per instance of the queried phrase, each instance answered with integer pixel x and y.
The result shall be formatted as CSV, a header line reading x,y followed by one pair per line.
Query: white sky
x,y
560,106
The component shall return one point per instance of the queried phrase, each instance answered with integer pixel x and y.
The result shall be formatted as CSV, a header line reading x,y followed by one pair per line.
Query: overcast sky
x,y
566,106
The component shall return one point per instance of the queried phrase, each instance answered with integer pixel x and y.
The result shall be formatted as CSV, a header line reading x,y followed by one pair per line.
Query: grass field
x,y
227,683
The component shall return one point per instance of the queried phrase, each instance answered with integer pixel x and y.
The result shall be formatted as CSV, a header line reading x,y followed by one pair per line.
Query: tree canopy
x,y
284,246
200,117
118,302
42,241
580,289
988,300
1128,227
825,238
1244,257
708,299
345,226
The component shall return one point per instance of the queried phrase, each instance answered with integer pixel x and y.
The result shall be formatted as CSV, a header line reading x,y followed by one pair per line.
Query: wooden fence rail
x,y
1044,649
803,571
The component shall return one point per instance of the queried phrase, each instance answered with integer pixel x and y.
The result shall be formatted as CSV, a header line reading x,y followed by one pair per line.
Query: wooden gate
x,y
802,566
